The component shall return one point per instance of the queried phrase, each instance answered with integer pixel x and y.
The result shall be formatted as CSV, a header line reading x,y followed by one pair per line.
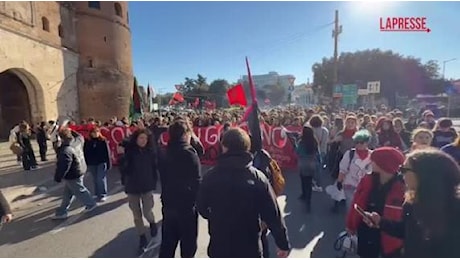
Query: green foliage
x,y
275,93
397,74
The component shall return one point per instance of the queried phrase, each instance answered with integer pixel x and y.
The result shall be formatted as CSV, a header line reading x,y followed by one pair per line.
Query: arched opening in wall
x,y
14,102
45,24
118,9
61,31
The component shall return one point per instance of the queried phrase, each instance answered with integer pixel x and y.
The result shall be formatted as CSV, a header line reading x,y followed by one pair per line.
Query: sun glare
x,y
371,6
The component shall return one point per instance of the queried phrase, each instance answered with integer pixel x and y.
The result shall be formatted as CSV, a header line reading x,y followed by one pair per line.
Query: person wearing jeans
x,y
71,167
308,161
97,156
322,136
74,189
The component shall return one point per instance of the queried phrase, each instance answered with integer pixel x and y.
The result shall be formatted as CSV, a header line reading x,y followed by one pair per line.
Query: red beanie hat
x,y
389,159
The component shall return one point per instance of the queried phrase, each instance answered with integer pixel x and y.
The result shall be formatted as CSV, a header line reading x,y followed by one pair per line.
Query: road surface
x,y
109,230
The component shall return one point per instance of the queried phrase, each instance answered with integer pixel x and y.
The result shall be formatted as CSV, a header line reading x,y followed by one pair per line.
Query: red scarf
x,y
348,133
362,154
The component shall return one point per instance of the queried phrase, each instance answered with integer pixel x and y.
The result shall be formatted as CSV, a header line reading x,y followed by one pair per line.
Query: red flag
x,y
178,97
172,102
236,96
179,87
252,116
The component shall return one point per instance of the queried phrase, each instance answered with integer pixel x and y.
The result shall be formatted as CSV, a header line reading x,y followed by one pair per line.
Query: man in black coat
x,y
179,168
71,167
235,198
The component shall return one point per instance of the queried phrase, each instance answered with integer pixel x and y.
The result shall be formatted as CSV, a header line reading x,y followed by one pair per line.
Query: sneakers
x,y
103,199
153,230
317,189
142,243
59,217
89,209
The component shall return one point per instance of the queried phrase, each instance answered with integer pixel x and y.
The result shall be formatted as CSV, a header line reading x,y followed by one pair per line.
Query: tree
x,y
397,74
194,88
261,94
217,91
275,93
144,98
163,100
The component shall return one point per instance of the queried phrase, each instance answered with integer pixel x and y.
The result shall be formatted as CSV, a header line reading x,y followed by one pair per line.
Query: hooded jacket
x,y
235,197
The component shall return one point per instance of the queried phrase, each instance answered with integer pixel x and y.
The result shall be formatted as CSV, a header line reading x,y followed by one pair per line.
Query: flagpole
x,y
251,83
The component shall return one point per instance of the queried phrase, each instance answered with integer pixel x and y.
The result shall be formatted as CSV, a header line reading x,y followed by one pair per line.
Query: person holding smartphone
x,y
431,211
382,191
5,210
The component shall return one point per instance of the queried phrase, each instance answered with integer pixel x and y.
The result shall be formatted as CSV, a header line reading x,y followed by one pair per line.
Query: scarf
x,y
362,154
348,133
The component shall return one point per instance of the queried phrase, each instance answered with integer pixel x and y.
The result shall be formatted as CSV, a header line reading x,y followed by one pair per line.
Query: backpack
x,y
351,155
271,169
278,183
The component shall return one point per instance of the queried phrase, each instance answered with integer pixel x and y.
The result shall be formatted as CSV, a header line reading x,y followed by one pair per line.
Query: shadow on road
x,y
40,222
124,245
304,227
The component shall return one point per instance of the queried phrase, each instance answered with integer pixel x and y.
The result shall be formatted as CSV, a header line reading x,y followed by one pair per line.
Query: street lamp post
x,y
443,77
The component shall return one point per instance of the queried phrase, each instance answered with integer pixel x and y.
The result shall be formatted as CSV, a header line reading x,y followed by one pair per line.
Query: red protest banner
x,y
274,141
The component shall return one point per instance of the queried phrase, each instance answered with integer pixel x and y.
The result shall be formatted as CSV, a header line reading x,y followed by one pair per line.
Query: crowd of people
x,y
398,175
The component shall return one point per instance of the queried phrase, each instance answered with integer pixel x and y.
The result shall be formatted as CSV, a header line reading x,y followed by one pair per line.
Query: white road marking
x,y
307,250
153,244
76,217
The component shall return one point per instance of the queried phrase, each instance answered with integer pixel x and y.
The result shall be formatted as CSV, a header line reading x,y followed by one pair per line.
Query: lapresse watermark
x,y
404,24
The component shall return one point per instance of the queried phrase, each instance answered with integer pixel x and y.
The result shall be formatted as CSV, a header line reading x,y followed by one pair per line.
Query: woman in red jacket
x,y
381,192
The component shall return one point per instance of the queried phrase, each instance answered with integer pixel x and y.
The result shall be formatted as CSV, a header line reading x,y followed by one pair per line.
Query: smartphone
x,y
363,213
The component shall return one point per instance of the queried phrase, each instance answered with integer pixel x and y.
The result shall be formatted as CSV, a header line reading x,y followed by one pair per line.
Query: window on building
x,y
90,63
61,31
118,10
94,5
45,24
105,38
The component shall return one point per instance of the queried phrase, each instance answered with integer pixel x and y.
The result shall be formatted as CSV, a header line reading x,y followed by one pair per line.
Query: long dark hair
x,y
435,201
135,135
308,140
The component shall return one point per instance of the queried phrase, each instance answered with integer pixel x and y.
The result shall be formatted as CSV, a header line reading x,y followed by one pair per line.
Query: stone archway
x,y
21,98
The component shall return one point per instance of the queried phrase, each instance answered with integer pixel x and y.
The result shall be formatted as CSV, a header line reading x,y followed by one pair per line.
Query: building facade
x,y
272,78
64,60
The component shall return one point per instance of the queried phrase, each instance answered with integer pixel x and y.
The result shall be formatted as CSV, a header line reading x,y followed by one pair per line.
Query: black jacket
x,y
235,197
96,152
416,245
138,168
4,206
42,136
179,168
71,163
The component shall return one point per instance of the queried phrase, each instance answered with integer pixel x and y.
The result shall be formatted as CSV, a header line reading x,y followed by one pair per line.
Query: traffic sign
x,y
373,87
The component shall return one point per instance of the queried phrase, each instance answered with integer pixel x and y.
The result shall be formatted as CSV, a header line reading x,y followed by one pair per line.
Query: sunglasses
x,y
405,170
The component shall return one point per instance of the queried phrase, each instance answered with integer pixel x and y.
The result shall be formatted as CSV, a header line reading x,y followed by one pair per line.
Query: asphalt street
x,y
109,231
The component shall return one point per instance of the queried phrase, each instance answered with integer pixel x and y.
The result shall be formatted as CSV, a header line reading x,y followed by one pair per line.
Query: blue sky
x,y
174,40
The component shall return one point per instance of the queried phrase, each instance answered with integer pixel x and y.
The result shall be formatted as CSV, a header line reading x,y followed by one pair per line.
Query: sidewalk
x,y
16,183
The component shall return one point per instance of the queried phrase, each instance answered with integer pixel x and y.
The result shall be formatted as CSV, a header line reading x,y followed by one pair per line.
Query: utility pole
x,y
335,34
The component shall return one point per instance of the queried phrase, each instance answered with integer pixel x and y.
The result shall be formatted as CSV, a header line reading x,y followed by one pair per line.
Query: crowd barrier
x,y
274,139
